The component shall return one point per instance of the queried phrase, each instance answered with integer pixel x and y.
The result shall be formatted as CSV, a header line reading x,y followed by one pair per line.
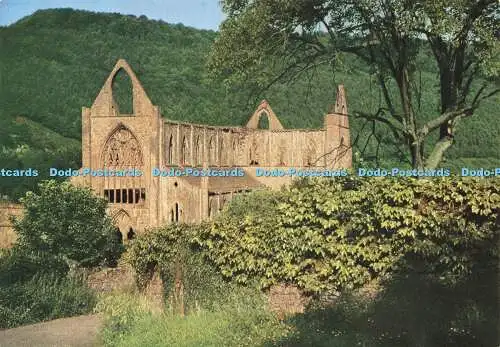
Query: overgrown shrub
x,y
412,310
69,223
17,266
328,235
121,312
173,250
431,243
43,297
239,318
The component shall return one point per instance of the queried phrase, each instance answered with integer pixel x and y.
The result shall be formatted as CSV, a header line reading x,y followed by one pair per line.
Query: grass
x,y
242,320
42,298
33,291
408,310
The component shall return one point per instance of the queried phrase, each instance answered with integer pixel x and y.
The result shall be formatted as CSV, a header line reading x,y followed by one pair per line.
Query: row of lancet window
x,y
309,154
197,154
125,196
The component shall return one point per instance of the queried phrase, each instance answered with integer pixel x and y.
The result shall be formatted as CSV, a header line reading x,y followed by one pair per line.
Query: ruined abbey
x,y
146,140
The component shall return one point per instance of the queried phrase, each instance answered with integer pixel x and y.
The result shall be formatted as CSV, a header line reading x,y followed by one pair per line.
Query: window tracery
x,y
122,149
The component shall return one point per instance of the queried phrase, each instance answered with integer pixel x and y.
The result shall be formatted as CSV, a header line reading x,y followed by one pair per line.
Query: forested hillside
x,y
55,61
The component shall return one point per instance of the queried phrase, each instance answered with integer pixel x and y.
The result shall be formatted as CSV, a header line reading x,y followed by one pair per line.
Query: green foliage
x,y
173,250
327,235
240,319
18,266
43,297
27,144
266,42
412,310
121,311
432,244
34,288
67,223
241,240
159,249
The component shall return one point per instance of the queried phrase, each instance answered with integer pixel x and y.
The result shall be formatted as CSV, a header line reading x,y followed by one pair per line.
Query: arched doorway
x,y
123,223
130,234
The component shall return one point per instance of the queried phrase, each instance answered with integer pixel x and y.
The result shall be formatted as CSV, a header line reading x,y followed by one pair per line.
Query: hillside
x,y
55,61
28,144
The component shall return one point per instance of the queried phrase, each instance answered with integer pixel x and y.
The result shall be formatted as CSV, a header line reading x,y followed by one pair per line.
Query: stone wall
x,y
7,234
286,300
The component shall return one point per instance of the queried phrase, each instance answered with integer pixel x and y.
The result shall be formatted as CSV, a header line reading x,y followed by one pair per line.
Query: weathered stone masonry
x,y
146,140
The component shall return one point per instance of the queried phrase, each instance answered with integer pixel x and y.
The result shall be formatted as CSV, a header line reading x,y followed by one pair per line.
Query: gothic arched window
x,y
184,151
222,156
170,150
211,151
310,154
197,152
122,149
254,149
235,151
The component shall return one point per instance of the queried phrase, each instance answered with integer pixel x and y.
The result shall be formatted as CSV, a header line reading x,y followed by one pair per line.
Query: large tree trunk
x,y
416,155
438,151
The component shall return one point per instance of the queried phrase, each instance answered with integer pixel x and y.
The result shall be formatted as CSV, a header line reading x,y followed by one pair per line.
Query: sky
x,y
201,14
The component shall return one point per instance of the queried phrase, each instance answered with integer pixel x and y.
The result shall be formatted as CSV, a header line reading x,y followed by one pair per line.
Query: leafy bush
x,y
18,267
173,251
68,223
412,310
328,235
43,297
432,243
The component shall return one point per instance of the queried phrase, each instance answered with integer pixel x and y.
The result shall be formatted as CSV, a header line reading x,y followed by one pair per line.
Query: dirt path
x,y
78,331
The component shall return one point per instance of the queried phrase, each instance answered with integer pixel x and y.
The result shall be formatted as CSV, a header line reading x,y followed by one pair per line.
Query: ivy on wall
x,y
325,235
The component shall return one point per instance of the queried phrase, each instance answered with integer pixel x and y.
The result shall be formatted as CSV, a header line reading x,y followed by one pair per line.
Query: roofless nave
x,y
146,140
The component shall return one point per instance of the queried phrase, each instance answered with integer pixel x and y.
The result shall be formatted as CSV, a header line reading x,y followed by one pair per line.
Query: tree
x,y
283,39
69,223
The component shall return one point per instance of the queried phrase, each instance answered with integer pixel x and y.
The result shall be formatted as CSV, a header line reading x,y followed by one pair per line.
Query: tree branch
x,y
442,119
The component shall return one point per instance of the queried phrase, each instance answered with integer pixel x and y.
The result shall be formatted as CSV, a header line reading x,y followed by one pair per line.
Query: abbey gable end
x,y
146,142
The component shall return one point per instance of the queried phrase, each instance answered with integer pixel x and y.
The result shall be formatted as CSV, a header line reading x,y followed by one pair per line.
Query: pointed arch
x,y
122,221
170,150
310,153
263,120
105,106
184,151
122,92
264,109
253,152
122,149
197,152
222,154
211,151
120,214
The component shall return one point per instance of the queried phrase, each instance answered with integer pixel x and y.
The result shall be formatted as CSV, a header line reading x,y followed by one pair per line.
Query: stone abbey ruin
x,y
146,140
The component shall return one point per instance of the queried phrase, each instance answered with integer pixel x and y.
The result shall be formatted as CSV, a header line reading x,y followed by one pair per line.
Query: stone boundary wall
x,y
7,234
285,300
